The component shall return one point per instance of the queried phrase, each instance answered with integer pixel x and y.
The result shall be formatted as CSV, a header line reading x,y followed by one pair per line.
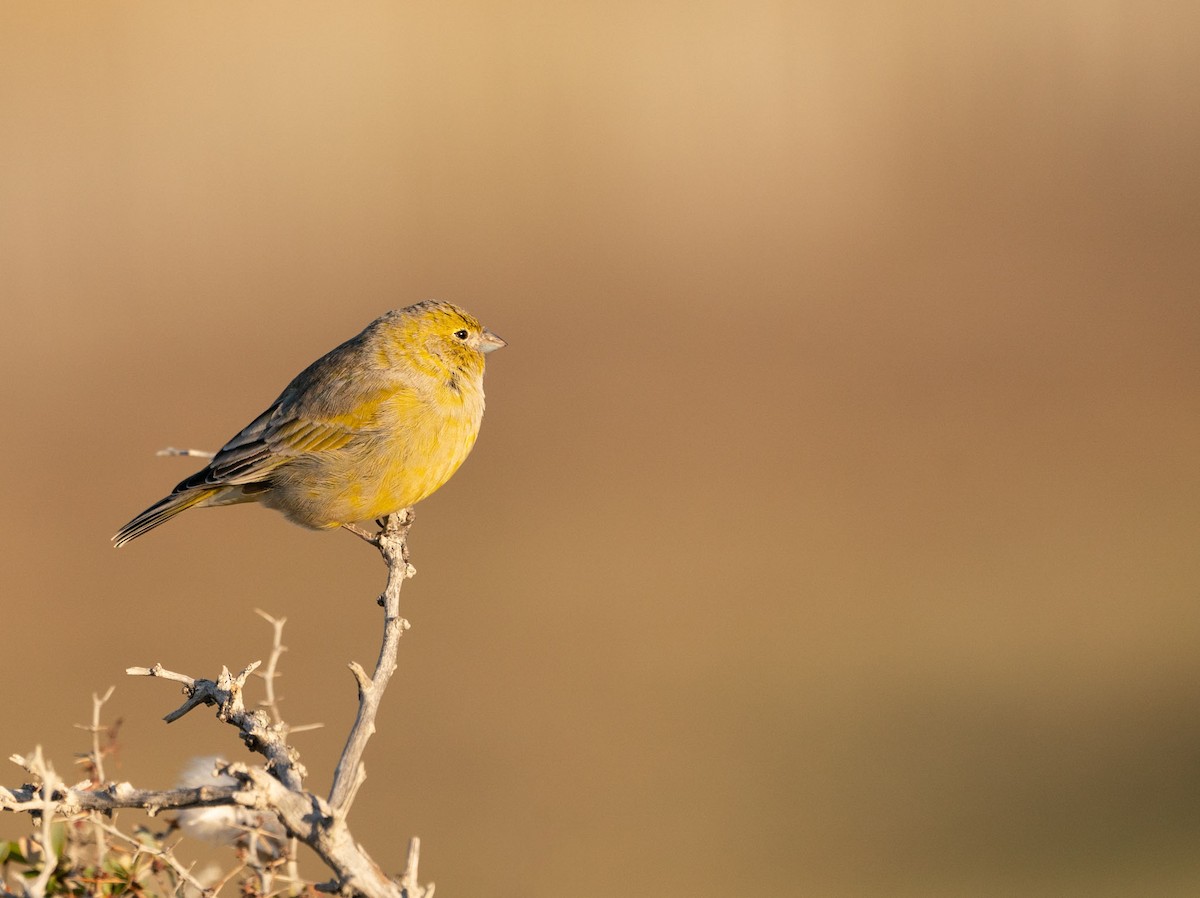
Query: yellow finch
x,y
368,429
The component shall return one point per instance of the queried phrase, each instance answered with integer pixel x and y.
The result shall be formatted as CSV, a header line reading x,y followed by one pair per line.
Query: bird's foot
x,y
372,538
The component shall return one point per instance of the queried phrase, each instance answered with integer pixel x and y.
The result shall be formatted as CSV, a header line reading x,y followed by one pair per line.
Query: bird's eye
x,y
461,334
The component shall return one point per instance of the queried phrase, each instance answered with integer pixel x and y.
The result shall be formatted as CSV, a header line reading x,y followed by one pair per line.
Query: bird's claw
x,y
372,538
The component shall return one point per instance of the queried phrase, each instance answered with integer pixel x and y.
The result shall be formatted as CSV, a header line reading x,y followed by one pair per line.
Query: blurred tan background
x,y
834,525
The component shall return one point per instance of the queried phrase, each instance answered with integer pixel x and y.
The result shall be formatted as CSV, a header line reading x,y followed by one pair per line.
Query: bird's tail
x,y
161,511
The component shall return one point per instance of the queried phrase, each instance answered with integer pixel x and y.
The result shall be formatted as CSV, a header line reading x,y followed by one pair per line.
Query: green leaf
x,y
58,838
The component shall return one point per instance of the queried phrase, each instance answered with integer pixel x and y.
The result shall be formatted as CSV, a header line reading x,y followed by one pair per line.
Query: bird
x,y
371,428
254,828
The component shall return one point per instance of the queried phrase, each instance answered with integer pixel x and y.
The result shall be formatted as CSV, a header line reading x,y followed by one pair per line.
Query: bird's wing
x,y
296,424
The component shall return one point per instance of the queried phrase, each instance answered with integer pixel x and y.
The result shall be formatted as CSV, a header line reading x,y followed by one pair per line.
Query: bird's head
x,y
441,333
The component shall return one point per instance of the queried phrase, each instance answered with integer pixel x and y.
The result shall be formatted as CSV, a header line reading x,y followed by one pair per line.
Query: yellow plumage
x,y
370,428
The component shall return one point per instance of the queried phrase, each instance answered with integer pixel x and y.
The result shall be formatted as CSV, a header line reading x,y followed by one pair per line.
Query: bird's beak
x,y
489,341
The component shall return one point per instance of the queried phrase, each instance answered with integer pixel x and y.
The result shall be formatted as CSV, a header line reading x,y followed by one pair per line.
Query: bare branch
x,y
70,801
41,802
95,761
258,733
159,671
165,855
314,823
304,815
190,453
409,882
269,675
277,788
392,542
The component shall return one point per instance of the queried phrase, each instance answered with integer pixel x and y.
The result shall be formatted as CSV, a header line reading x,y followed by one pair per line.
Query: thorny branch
x,y
258,733
392,542
93,761
278,786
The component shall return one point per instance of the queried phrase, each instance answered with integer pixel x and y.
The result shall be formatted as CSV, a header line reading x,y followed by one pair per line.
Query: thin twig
x,y
166,855
392,542
189,453
409,882
221,883
69,801
40,767
258,733
271,703
271,671
97,763
96,729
